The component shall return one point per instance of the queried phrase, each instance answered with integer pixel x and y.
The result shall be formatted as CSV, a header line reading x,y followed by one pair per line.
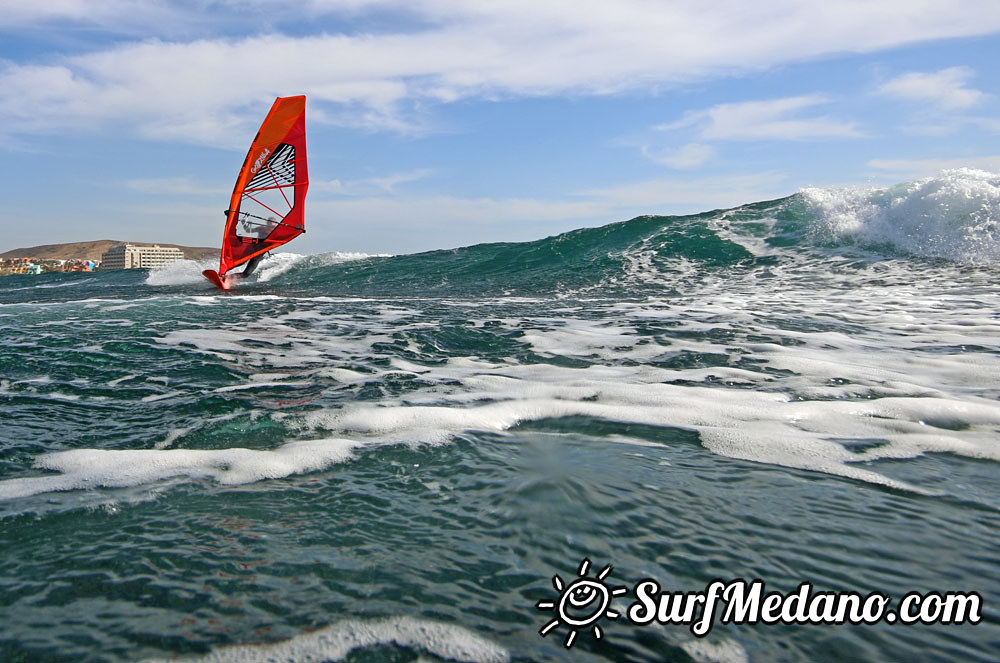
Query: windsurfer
x,y
257,229
273,178
263,231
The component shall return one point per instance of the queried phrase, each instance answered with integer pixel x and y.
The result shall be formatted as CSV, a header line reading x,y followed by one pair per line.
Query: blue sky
x,y
446,123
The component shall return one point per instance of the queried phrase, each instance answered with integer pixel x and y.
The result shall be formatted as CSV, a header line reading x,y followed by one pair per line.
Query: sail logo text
x,y
743,602
260,161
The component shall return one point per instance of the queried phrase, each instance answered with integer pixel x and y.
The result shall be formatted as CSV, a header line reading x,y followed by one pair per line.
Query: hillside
x,y
93,250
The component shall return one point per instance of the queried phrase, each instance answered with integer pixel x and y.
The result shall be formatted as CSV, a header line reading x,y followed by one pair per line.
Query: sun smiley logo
x,y
581,604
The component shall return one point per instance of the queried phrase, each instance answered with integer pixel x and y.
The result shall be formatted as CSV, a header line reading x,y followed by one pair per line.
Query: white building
x,y
131,256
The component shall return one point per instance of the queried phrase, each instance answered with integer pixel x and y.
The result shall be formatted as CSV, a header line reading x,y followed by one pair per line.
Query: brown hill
x,y
94,250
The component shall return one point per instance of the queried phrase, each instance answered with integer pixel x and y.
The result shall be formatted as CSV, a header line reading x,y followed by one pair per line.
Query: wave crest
x,y
954,216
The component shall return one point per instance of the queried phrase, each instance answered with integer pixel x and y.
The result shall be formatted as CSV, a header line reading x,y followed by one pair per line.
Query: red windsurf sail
x,y
267,206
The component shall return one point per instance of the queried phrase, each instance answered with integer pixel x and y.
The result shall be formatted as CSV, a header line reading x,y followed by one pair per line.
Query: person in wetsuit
x,y
263,231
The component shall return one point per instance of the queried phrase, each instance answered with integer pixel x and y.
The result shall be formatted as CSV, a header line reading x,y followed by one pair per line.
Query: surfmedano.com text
x,y
742,602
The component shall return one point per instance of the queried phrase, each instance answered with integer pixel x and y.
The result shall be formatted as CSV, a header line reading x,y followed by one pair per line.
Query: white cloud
x,y
687,156
444,212
175,186
370,186
989,123
17,12
672,195
917,168
775,119
211,90
945,89
102,19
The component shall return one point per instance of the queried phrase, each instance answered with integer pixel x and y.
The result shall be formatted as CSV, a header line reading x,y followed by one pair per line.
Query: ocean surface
x,y
389,458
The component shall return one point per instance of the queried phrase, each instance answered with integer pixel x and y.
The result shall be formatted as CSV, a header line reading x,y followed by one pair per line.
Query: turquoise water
x,y
373,458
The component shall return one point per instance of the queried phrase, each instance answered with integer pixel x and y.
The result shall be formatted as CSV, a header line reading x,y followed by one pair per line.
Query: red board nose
x,y
213,276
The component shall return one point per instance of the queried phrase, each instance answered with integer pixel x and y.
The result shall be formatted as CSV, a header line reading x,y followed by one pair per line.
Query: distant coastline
x,y
95,249
87,256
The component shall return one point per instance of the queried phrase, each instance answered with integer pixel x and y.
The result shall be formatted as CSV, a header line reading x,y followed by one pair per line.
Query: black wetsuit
x,y
251,265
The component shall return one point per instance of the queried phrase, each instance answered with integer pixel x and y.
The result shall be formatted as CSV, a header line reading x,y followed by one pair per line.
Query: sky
x,y
445,123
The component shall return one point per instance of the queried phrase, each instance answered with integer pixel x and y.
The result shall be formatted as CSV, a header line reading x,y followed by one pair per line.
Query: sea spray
x,y
955,216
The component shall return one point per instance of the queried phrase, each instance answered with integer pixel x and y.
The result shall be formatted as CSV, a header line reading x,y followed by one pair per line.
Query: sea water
x,y
400,458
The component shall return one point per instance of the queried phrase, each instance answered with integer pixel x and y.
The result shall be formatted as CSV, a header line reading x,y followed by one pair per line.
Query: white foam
x,y
276,264
93,468
181,272
279,263
792,392
335,642
189,272
721,650
59,396
298,348
587,338
787,374
759,426
159,397
955,215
